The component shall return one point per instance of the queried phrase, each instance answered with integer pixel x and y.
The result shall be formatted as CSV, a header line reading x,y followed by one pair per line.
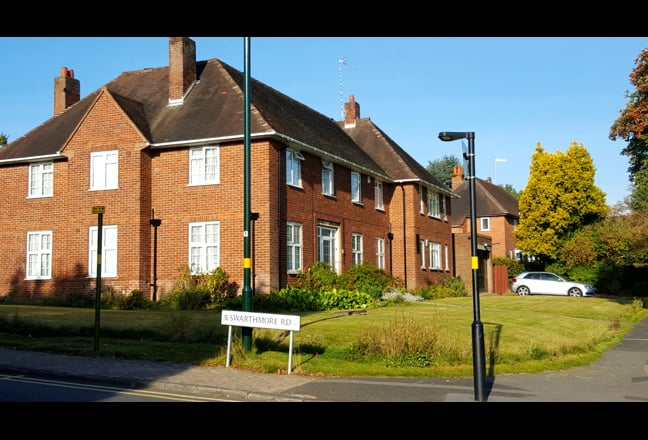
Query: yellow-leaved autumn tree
x,y
560,198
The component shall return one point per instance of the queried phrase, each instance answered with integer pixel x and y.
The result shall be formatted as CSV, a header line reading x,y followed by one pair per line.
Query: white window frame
x,y
328,250
204,246
104,170
444,208
328,188
433,203
421,200
423,250
379,195
446,258
108,251
380,253
294,247
356,248
39,255
293,167
434,255
41,179
484,224
204,165
356,187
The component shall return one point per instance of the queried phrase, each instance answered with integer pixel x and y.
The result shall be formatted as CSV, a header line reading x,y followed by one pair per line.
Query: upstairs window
x,y
356,196
378,195
485,223
444,209
421,200
433,203
327,179
104,170
293,167
204,166
41,179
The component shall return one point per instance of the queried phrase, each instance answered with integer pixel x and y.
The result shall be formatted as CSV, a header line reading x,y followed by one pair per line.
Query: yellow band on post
x,y
475,263
246,263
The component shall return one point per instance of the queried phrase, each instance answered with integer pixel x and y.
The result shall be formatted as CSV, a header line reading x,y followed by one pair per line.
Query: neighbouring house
x,y
497,216
160,152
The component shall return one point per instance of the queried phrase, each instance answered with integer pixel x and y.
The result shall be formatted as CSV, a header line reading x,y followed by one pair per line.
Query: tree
x,y
4,139
512,191
633,120
639,195
442,168
560,198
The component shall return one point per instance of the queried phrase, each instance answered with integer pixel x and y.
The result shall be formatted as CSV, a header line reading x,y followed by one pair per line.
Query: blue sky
x,y
513,92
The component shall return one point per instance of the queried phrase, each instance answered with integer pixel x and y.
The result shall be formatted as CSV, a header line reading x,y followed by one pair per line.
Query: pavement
x,y
619,375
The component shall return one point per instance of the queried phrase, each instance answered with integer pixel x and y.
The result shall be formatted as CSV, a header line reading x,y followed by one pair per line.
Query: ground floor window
x,y
204,246
108,251
39,255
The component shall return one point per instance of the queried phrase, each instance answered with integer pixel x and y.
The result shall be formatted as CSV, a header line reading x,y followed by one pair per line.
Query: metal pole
x,y
479,362
155,222
100,211
247,290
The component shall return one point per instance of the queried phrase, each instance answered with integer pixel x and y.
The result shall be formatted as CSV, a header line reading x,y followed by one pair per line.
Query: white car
x,y
548,283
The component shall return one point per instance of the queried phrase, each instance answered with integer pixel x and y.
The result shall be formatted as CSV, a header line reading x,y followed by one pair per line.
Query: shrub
x,y
193,291
513,267
367,278
319,275
135,300
448,286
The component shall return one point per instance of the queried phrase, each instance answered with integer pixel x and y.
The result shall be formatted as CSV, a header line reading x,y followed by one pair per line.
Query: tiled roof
x,y
490,200
396,162
212,111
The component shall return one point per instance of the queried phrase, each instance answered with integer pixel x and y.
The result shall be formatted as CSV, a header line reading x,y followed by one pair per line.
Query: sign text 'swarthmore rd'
x,y
260,320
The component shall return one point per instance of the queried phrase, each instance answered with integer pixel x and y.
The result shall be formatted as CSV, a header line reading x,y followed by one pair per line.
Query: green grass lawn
x,y
425,338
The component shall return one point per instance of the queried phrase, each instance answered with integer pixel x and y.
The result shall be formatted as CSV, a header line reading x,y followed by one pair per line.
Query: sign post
x,y
261,320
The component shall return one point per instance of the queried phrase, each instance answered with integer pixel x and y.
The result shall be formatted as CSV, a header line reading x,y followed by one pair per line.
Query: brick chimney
x,y
67,90
182,68
351,112
457,176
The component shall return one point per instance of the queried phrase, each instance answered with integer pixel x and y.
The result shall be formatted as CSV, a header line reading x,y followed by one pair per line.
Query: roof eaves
x,y
442,190
58,155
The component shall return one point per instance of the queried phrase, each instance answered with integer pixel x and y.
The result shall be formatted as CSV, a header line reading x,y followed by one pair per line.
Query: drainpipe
x,y
390,237
155,222
404,237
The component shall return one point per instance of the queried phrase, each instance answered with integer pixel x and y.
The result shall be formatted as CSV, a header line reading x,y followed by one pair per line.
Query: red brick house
x,y
167,144
497,216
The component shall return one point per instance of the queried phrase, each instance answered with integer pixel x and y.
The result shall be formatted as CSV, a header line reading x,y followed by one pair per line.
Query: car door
x,y
553,284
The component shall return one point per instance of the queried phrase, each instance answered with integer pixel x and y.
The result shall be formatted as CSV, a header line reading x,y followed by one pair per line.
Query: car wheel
x,y
574,291
523,291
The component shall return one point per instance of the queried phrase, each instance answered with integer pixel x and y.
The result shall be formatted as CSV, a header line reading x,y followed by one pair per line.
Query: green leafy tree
x,y
4,139
442,168
511,190
559,199
639,196
618,241
633,119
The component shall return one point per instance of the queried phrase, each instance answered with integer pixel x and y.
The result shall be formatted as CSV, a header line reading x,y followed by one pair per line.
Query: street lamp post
x,y
479,361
